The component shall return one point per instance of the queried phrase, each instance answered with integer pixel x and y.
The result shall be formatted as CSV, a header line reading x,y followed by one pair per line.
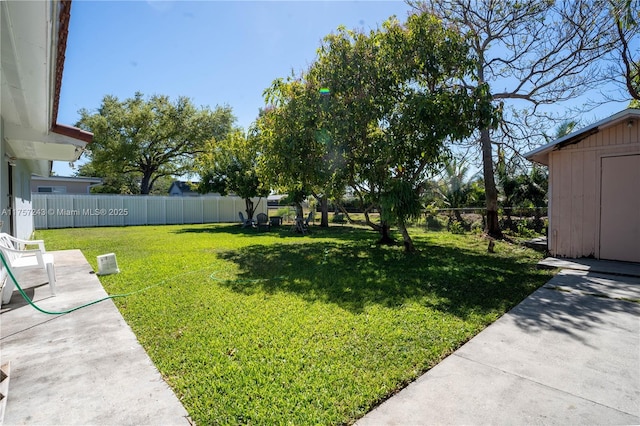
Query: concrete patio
x,y
84,367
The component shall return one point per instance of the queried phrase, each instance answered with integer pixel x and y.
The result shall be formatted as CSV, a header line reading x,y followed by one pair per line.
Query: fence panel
x,y
111,211
210,212
173,208
229,212
86,212
79,211
40,208
192,210
156,211
134,210
58,212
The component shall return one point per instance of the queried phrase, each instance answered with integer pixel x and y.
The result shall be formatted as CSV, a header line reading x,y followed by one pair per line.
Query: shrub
x,y
435,222
456,227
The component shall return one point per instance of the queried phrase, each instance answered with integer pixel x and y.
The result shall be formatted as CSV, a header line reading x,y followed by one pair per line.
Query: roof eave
x,y
541,154
64,17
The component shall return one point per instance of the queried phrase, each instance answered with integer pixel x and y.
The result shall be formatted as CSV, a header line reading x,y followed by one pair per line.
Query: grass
x,y
276,328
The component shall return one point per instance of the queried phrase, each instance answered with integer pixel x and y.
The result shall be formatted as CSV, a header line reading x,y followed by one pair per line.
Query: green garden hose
x,y
13,278
44,311
113,296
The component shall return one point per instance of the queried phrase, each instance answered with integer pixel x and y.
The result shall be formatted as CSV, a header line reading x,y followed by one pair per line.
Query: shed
x,y
594,189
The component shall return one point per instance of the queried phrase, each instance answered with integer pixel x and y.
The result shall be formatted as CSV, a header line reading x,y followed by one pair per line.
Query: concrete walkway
x,y
568,354
85,367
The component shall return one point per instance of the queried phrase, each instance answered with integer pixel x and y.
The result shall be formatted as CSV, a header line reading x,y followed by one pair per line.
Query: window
x,y
53,189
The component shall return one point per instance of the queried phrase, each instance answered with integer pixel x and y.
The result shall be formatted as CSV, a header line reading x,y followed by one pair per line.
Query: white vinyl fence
x,y
81,211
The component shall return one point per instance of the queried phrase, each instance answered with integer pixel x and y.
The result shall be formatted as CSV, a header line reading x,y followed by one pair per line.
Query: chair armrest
x,y
37,252
12,254
39,243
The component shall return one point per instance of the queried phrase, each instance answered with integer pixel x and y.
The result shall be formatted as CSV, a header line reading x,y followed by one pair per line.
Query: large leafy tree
x,y
150,138
299,158
230,165
383,105
395,104
532,54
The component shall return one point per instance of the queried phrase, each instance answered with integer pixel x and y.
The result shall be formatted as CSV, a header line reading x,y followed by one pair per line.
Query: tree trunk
x,y
491,192
385,234
408,242
384,229
324,208
249,208
345,212
144,184
458,215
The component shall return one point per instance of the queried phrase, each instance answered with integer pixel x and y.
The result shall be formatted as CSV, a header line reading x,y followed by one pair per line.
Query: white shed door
x,y
620,208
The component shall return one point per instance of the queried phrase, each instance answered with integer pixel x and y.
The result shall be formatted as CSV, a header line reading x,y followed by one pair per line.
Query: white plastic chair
x,y
18,258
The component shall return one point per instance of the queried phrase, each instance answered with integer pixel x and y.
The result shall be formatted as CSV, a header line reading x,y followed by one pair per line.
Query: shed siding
x,y
574,180
590,218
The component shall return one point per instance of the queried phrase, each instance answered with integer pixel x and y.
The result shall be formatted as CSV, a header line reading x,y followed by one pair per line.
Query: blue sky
x,y
214,52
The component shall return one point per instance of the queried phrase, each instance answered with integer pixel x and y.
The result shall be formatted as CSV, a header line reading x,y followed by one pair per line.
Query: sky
x,y
214,52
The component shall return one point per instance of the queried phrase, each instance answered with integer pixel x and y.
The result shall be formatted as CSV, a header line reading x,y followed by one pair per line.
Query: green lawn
x,y
278,328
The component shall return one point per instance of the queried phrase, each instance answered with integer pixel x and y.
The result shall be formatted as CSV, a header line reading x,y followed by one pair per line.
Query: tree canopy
x,y
230,165
531,54
296,147
143,140
375,110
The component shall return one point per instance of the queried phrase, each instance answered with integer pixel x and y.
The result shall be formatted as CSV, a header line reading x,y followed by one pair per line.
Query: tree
x,y
393,104
533,53
112,182
230,165
152,138
298,153
626,15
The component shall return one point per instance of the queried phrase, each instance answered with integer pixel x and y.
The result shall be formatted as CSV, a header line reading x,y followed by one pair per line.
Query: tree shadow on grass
x,y
285,232
357,274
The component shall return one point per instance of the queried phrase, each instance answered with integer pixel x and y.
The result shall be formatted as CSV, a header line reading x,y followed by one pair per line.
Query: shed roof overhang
x,y
33,42
541,154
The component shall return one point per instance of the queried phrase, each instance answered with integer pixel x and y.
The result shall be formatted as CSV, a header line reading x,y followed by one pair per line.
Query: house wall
x,y
575,173
23,215
15,208
174,191
4,182
71,187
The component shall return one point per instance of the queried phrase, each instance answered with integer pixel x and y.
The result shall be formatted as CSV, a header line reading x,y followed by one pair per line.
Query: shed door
x,y
620,208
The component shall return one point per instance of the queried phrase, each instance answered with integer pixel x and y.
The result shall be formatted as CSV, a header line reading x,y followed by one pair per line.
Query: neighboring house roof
x,y
89,180
183,187
34,37
541,155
